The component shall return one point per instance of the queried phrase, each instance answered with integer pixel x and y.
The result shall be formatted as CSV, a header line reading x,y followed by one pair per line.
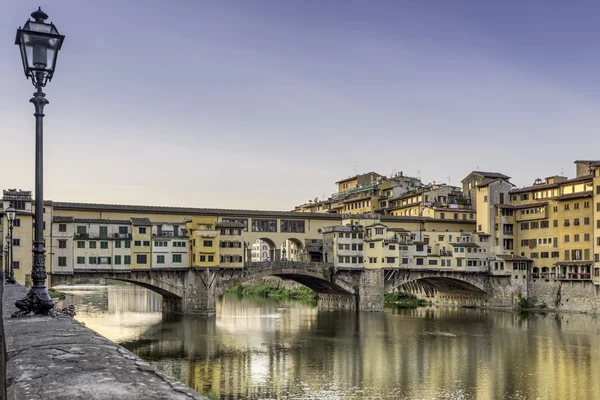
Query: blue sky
x,y
264,104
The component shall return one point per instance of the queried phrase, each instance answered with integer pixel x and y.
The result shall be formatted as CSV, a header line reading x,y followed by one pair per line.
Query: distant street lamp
x,y
39,43
6,259
11,213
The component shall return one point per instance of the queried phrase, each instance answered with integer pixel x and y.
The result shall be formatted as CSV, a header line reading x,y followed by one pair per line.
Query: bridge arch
x,y
437,281
319,281
157,283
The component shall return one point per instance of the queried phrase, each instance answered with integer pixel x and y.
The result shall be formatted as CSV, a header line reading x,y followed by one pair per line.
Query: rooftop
x,y
551,185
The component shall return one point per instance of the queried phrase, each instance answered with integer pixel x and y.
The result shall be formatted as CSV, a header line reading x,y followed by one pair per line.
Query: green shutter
x,y
117,260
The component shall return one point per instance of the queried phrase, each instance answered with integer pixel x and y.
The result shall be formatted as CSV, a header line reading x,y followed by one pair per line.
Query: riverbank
x,y
303,294
404,300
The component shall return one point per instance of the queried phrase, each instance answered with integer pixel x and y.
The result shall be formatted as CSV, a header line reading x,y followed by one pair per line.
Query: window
x,y
202,258
176,258
92,260
442,216
80,260
555,254
371,245
62,227
104,260
211,258
291,226
485,199
390,260
104,245
92,244
80,244
62,244
142,231
420,261
566,207
576,206
586,204
566,239
459,262
81,230
576,221
141,258
432,262
117,260
17,265
555,223
207,243
62,261
17,222
567,222
126,260
117,244
544,224
103,231
16,242
420,247
137,243
160,259
544,254
128,244
392,247
586,221
146,243
264,225
524,226
123,230
379,231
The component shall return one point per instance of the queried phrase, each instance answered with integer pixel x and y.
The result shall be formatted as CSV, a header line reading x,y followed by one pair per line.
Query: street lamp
x,y
283,253
39,43
11,213
6,259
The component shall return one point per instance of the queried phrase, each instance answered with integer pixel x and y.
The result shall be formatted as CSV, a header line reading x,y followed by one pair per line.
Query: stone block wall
x,y
575,296
336,302
371,290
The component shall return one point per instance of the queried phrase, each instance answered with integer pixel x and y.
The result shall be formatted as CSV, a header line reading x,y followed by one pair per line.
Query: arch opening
x,y
292,249
443,284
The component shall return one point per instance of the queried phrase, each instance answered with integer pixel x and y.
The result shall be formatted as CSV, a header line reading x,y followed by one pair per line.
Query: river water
x,y
270,349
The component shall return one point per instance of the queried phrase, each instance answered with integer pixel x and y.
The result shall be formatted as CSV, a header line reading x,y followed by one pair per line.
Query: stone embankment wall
x,y
577,296
58,358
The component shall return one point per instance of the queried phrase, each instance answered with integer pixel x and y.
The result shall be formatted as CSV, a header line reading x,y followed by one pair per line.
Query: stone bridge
x,y
195,290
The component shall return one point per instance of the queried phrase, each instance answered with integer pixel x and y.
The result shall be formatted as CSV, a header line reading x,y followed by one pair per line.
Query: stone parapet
x,y
59,358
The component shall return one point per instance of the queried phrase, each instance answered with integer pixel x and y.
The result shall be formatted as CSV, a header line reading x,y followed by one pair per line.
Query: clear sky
x,y
265,104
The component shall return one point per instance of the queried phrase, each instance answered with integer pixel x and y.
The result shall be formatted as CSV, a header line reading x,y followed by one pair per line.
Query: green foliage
x,y
526,302
57,294
404,300
304,294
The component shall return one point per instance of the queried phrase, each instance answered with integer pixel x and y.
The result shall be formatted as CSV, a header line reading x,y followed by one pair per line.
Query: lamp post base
x,y
38,301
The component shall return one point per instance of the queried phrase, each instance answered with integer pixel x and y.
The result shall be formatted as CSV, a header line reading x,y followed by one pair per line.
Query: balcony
x,y
206,234
575,276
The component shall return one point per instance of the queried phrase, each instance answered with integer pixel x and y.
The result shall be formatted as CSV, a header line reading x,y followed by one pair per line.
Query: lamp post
x,y
6,257
11,213
39,43
283,252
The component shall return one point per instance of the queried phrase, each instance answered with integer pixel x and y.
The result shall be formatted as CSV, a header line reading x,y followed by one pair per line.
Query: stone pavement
x,y
58,358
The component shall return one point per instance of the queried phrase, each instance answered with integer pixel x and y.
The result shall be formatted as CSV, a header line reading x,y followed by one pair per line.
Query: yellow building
x,y
141,246
204,241
230,244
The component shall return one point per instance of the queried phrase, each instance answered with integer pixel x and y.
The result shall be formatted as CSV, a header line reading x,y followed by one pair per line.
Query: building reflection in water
x,y
256,348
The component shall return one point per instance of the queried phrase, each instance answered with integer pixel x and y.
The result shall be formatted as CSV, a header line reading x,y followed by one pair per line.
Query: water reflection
x,y
258,348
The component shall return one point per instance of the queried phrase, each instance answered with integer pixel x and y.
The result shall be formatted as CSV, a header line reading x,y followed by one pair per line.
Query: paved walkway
x,y
58,358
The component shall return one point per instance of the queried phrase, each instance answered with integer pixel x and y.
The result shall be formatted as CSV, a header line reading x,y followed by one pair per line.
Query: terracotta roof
x,y
101,221
512,257
62,219
141,221
468,210
574,196
467,244
551,185
357,176
489,175
531,205
508,206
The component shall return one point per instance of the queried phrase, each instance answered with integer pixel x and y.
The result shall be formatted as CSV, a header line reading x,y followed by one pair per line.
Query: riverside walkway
x,y
59,358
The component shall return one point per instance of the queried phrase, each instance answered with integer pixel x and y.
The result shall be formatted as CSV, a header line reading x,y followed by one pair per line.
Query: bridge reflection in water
x,y
257,348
